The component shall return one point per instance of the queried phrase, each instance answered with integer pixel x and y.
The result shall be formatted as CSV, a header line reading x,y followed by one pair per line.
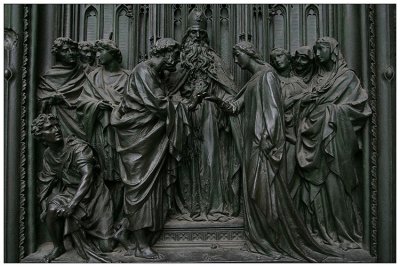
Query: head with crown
x,y
195,52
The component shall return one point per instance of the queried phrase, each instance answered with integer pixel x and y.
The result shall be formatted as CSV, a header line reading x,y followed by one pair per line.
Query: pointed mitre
x,y
197,20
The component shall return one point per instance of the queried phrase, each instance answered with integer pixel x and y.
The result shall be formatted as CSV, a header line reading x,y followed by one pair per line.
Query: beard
x,y
196,56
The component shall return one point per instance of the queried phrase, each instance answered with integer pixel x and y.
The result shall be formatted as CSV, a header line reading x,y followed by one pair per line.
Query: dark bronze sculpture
x,y
60,87
292,88
272,224
103,91
145,139
87,55
208,178
74,199
303,63
330,119
196,170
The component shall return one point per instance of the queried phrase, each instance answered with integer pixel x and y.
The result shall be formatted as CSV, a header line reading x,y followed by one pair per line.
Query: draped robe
x,y
327,142
96,123
272,224
149,128
209,176
67,81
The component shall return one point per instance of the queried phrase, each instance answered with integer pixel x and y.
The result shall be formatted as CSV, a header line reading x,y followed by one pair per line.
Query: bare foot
x,y
146,253
55,253
201,217
130,252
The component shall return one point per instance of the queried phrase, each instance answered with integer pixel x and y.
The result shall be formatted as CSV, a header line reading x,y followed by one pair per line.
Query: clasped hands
x,y
196,100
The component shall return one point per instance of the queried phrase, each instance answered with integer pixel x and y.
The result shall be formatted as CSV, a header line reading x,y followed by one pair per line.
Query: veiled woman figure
x,y
330,119
272,224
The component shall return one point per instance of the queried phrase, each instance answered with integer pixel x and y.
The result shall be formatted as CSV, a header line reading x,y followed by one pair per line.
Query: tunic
x,y
60,179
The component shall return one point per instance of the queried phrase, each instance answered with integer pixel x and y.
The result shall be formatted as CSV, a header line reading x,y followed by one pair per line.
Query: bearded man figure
x,y
208,182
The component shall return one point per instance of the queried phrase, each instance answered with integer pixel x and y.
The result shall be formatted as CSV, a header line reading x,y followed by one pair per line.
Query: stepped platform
x,y
196,242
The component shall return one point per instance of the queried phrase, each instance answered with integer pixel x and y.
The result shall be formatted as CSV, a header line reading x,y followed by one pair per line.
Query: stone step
x,y
178,233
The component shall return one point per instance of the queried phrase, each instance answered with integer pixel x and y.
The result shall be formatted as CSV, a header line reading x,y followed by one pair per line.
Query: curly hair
x,y
40,121
164,45
278,50
60,41
111,47
86,44
249,49
197,56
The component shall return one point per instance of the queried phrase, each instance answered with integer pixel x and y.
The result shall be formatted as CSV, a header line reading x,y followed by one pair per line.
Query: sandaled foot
x,y
55,253
146,253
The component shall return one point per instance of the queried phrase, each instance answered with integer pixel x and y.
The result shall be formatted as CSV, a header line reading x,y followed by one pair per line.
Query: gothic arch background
x,y
361,29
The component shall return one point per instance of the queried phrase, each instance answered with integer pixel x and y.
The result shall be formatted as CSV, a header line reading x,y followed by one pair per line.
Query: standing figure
x,y
292,89
281,60
303,63
74,200
102,92
328,137
272,224
208,179
145,138
87,55
60,87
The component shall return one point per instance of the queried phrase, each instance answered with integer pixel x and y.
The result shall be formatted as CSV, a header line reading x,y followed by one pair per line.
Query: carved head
x,y
107,52
87,52
280,59
197,28
303,59
65,50
46,128
168,50
243,52
327,48
197,20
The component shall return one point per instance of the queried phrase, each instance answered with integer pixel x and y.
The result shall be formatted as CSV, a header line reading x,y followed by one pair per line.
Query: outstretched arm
x,y
86,172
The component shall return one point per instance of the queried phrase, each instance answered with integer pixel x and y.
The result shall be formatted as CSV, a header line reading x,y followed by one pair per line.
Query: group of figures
x,y
175,138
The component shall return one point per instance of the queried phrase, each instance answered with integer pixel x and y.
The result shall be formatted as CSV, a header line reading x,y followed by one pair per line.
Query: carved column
x,y
351,41
386,116
12,146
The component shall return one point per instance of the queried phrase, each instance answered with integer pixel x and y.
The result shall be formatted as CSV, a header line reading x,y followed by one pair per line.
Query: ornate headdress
x,y
197,20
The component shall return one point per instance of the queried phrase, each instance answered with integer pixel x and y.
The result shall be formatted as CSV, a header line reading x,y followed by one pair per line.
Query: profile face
x,y
104,56
281,61
86,54
322,52
51,133
67,54
241,59
302,62
197,35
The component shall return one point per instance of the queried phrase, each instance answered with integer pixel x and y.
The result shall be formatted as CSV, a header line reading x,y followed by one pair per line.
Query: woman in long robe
x,y
272,224
330,119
